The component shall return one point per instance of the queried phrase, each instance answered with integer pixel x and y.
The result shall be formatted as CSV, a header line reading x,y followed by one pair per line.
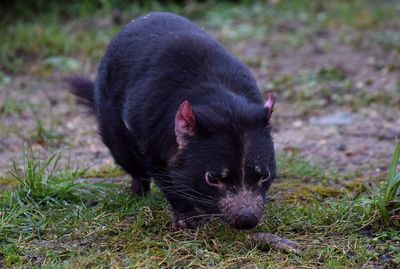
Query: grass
x,y
48,40
11,107
73,39
59,216
58,40
69,32
42,182
52,219
44,133
387,199
392,188
319,88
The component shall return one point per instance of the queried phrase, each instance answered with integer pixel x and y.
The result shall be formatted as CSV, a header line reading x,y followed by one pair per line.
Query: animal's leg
x,y
126,155
140,186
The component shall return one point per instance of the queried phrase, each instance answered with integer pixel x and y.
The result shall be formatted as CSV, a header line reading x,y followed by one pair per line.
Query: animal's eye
x,y
214,179
224,172
258,169
264,175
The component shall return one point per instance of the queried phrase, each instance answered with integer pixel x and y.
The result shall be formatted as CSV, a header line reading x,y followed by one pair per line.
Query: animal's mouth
x,y
242,210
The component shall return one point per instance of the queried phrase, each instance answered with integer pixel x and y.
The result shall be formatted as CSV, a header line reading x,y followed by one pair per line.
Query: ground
x,y
334,69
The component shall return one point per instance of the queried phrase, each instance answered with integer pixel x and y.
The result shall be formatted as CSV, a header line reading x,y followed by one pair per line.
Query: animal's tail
x,y
83,89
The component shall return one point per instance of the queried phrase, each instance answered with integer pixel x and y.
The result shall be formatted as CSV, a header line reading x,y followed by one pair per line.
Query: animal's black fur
x,y
154,64
84,89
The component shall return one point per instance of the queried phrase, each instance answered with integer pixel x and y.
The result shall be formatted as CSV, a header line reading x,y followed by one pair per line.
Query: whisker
x,y
174,183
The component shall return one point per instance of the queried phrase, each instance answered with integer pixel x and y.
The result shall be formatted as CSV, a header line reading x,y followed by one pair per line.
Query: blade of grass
x,y
391,189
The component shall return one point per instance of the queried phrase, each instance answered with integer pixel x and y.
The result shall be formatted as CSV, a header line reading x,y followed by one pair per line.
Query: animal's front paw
x,y
183,221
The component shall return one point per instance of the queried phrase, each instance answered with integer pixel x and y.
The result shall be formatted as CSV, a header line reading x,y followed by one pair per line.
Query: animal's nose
x,y
246,220
242,210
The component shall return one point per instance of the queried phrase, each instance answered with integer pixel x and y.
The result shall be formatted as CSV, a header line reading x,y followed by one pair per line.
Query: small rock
x,y
371,60
360,84
341,147
297,123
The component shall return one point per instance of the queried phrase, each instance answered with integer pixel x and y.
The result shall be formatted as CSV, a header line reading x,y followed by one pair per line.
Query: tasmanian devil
x,y
173,105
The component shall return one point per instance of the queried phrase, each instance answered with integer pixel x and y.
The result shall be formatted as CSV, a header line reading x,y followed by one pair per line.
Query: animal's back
x,y
155,63
134,50
166,46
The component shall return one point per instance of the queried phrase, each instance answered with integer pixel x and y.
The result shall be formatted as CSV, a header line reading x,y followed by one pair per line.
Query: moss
x,y
6,182
311,192
325,191
107,171
357,185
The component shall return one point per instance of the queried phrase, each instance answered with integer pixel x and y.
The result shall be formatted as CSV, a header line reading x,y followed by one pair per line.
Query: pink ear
x,y
185,124
269,104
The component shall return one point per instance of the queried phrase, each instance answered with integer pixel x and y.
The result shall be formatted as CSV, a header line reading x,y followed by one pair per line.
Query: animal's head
x,y
228,157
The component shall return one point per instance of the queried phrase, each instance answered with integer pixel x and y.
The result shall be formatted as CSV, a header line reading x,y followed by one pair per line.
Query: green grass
x,y
392,188
42,182
59,216
387,198
45,133
47,40
51,219
319,88
38,42
82,31
11,107
291,165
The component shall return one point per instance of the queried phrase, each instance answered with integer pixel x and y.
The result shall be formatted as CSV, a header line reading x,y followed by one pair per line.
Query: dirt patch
x,y
49,121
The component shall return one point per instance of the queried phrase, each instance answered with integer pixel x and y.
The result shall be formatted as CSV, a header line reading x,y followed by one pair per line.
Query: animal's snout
x,y
246,220
242,210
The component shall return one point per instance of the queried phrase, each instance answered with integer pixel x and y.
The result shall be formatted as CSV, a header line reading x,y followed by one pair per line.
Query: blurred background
x,y
333,66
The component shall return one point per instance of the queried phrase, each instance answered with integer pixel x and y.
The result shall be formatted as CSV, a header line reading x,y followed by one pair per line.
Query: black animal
x,y
173,105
